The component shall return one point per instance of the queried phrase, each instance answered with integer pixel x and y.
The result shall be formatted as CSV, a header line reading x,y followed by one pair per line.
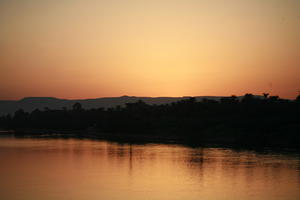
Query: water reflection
x,y
85,169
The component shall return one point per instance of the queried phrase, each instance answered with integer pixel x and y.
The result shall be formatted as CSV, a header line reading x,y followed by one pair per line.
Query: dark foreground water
x,y
73,169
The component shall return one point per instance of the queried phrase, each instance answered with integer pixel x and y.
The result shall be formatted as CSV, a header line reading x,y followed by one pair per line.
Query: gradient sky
x,y
93,48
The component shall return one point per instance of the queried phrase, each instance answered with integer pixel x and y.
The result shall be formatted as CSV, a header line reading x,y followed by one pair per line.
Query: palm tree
x,y
266,95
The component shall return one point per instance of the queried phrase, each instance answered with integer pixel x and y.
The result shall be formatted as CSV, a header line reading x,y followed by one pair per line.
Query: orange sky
x,y
88,48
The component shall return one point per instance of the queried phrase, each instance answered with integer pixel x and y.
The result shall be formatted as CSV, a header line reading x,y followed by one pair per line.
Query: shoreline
x,y
142,139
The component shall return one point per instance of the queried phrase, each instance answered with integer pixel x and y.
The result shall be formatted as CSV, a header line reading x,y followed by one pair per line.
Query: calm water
x,y
72,169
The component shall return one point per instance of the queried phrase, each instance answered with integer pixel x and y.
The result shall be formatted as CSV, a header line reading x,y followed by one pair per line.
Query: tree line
x,y
251,119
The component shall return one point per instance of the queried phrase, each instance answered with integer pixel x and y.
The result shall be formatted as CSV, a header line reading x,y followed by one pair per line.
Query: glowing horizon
x,y
79,49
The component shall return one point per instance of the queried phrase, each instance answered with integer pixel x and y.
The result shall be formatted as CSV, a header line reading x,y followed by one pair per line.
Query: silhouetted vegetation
x,y
252,120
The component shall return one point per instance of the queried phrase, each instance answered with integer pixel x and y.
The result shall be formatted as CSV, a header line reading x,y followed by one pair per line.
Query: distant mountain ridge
x,y
28,104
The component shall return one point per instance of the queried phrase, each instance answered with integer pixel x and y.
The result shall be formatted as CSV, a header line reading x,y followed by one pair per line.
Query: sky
x,y
79,49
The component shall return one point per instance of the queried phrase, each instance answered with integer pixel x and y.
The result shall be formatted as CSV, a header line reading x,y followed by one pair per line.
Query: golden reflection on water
x,y
84,169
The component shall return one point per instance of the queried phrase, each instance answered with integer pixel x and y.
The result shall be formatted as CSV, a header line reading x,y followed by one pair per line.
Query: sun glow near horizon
x,y
86,49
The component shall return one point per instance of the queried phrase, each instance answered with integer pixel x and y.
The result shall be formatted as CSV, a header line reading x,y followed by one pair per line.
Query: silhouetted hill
x,y
29,104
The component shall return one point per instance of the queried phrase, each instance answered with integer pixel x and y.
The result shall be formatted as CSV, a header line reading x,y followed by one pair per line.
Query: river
x,y
77,169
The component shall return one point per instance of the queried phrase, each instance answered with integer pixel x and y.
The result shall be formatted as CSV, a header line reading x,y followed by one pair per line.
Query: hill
x,y
29,104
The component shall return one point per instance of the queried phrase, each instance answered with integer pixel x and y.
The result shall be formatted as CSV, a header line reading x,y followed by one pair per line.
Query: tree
x,y
266,95
298,98
229,100
248,97
20,118
274,98
77,106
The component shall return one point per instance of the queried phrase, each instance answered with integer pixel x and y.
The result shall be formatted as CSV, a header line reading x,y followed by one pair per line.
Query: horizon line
x,y
130,96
